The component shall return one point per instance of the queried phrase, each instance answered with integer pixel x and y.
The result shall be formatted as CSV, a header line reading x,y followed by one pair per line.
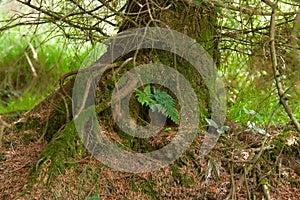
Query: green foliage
x,y
221,129
146,186
166,105
50,55
60,150
159,101
257,106
21,104
252,96
145,97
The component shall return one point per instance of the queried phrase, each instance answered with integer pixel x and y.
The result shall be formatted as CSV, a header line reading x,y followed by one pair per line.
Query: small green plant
x,y
255,129
168,129
159,101
251,125
221,129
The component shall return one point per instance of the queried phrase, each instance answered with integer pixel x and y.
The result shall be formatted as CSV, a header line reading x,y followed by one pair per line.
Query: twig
x,y
56,17
75,72
252,162
21,167
246,9
277,75
94,67
3,125
233,186
266,189
31,65
247,186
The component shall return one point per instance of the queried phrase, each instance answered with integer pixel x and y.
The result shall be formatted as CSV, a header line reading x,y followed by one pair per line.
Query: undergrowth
x,y
31,62
252,95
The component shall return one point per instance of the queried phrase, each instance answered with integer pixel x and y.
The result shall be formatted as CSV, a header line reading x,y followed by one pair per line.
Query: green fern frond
x,y
144,97
159,101
166,105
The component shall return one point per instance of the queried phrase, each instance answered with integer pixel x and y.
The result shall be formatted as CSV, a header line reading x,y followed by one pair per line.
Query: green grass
x,y
22,104
55,56
258,104
252,95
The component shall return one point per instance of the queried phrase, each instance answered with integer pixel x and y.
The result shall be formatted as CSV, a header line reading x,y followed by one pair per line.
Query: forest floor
x,y
228,172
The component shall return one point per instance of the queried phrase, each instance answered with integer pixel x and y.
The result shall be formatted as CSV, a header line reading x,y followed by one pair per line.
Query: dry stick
x,y
118,13
31,65
231,194
56,17
252,162
95,67
266,190
19,168
75,72
247,186
273,115
3,125
276,72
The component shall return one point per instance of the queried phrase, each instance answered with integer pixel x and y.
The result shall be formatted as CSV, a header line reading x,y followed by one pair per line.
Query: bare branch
x,y
246,9
277,75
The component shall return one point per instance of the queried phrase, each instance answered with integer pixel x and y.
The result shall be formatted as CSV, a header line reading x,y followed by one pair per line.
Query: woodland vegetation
x,y
256,49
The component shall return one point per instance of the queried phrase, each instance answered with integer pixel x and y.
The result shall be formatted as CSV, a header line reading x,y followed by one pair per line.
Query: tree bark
x,y
195,21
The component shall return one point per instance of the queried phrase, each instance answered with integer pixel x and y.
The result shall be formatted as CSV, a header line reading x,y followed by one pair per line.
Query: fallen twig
x,y
3,125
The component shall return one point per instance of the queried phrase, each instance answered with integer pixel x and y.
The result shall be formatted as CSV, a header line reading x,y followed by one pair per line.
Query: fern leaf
x,y
159,101
144,97
166,105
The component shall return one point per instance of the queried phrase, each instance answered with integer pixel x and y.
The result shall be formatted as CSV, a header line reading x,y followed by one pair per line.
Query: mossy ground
x,y
62,169
53,163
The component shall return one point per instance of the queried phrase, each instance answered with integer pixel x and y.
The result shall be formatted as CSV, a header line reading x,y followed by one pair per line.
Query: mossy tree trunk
x,y
55,124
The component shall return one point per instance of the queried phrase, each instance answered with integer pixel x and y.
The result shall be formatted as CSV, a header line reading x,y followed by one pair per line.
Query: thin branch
x,y
232,32
31,65
277,76
121,14
7,27
271,4
57,17
249,10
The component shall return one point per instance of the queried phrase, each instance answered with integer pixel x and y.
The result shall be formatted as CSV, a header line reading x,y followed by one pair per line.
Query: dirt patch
x,y
18,154
219,175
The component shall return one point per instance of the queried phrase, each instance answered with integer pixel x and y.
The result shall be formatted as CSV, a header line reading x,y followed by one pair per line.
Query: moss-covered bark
x,y
58,154
52,118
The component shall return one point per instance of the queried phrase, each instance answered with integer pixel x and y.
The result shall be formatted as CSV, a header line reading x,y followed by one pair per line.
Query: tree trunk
x,y
52,118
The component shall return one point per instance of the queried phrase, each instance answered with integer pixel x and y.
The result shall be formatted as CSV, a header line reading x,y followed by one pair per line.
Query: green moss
x,y
27,138
31,123
64,146
294,182
2,157
181,178
48,128
146,186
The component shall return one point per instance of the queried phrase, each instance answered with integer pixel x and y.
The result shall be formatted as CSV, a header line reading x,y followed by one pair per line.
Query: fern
x,y
166,105
159,101
144,97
